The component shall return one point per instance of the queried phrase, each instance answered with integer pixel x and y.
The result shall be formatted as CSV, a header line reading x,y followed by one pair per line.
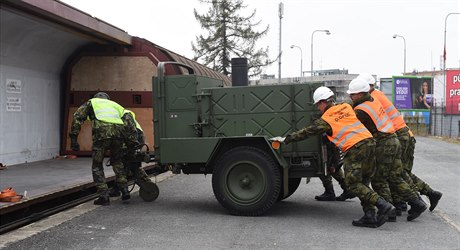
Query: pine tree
x,y
229,35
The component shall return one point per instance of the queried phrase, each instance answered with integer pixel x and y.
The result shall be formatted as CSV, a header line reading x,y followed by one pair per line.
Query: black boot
x,y
399,208
368,220
344,196
329,194
392,215
417,207
102,200
125,194
434,197
385,208
114,192
404,207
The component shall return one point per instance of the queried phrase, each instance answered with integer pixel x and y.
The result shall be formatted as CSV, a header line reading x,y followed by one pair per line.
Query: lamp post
x,y
311,63
301,59
394,36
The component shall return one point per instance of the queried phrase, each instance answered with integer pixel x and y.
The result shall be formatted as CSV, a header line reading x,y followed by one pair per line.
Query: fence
x,y
443,124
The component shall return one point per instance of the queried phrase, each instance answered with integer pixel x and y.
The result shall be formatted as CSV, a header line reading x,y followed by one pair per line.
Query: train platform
x,y
41,178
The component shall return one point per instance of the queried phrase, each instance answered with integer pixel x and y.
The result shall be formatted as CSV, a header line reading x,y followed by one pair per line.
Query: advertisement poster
x,y
453,92
402,94
413,93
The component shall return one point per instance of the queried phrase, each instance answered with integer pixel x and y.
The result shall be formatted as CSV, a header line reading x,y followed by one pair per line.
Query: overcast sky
x,y
361,37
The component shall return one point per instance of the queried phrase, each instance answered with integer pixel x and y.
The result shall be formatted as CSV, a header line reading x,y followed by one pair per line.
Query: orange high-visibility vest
x,y
390,109
379,117
347,130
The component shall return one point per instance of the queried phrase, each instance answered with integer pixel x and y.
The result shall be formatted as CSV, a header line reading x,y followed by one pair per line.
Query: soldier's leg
x,y
397,183
329,194
98,172
118,167
339,176
359,167
380,179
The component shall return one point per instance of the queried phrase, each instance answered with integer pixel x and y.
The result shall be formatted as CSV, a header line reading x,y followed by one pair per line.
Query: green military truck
x,y
206,128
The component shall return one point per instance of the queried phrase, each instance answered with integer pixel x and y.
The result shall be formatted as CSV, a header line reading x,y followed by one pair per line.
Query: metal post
x,y
280,13
311,52
394,36
301,60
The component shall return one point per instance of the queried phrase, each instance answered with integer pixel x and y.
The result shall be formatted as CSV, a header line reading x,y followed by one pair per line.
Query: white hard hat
x,y
322,93
367,78
358,85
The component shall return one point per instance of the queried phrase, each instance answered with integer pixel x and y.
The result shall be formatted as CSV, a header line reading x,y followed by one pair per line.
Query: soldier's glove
x,y
278,138
74,143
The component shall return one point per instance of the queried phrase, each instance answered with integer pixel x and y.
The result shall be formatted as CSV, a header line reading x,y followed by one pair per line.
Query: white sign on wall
x,y
13,86
13,104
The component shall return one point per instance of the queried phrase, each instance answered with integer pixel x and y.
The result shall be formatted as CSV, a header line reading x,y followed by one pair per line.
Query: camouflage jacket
x,y
367,120
132,135
318,127
100,130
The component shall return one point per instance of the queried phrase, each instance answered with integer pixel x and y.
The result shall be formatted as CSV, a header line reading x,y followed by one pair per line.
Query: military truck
x,y
203,127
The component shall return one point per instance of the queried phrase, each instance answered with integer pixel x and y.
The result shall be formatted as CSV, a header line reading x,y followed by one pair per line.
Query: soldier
x,y
335,171
407,140
341,126
133,137
388,151
107,129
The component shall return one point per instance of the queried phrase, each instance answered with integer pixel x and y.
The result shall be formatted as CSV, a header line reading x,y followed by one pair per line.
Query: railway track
x,y
27,211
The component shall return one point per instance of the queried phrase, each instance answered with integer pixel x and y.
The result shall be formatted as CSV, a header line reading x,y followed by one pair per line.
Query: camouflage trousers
x,y
407,158
338,175
100,147
389,166
359,167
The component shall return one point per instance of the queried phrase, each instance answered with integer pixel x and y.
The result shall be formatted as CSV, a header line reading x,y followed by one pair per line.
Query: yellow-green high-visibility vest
x,y
107,110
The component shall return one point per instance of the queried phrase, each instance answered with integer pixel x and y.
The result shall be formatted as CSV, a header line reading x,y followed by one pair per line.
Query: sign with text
x,y
411,93
453,92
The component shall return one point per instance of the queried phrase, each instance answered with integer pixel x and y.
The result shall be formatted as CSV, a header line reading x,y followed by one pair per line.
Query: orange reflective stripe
x,y
390,109
379,117
347,130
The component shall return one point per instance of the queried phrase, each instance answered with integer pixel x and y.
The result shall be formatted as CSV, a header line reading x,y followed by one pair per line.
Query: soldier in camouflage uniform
x,y
133,137
342,127
335,171
388,151
407,140
107,129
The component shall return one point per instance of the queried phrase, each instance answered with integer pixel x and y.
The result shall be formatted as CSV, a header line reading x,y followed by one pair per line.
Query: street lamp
x,y
394,36
311,63
301,60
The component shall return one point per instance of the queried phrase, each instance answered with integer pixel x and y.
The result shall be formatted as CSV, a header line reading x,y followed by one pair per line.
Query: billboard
x,y
412,93
453,92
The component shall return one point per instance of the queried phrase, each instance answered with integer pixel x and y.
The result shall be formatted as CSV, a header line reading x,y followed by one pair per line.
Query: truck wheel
x,y
292,187
246,181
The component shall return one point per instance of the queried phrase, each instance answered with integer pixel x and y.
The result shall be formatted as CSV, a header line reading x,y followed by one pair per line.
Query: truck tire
x,y
246,181
292,187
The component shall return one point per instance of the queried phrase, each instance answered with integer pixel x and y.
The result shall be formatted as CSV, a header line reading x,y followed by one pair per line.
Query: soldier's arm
x,y
319,126
130,131
79,117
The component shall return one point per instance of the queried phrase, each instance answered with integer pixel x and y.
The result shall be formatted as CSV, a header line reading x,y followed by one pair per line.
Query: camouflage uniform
x,y
335,171
389,170
408,146
359,162
133,137
106,136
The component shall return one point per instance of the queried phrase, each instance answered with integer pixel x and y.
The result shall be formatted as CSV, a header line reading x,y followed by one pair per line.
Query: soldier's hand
x,y
74,143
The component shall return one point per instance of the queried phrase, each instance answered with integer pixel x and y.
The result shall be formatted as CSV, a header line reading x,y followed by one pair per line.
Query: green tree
x,y
229,35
